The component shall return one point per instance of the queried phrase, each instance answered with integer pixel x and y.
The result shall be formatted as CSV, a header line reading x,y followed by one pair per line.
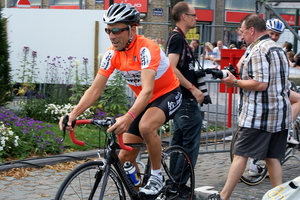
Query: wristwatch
x,y
236,83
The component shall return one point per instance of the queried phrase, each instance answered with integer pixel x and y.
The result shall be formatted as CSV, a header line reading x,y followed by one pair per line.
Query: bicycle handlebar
x,y
72,134
106,122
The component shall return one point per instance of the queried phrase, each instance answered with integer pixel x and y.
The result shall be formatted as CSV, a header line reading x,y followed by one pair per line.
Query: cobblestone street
x,y
211,170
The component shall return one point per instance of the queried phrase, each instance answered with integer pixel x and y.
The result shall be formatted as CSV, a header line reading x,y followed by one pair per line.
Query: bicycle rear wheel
x,y
180,179
85,181
255,171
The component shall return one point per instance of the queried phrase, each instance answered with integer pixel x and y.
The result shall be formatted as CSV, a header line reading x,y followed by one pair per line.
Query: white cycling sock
x,y
253,166
156,172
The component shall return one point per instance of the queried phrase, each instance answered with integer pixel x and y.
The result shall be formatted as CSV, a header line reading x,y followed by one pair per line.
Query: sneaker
x,y
153,186
253,173
291,140
228,138
214,197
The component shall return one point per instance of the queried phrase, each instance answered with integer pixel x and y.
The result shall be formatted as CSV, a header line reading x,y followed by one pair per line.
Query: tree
x,y
5,69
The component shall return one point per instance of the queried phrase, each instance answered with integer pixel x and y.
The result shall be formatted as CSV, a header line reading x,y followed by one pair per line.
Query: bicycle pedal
x,y
144,196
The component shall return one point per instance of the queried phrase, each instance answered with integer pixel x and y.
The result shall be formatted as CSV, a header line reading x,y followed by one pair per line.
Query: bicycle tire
x,y
246,177
179,173
79,183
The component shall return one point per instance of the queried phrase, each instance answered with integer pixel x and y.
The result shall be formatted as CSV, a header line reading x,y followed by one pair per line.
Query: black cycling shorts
x,y
168,103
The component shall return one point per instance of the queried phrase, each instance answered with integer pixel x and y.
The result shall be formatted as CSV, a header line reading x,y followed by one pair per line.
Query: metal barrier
x,y
215,129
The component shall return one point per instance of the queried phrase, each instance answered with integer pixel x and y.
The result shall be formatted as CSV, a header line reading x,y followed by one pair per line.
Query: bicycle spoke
x,y
84,182
179,172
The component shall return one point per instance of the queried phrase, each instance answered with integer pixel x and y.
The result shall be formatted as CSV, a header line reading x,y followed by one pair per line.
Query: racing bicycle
x,y
105,177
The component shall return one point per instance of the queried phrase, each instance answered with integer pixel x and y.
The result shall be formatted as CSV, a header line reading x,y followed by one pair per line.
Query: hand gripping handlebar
x,y
105,122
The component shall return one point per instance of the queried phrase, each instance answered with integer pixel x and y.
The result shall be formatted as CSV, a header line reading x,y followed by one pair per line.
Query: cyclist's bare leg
x,y
275,171
148,126
295,101
235,172
130,155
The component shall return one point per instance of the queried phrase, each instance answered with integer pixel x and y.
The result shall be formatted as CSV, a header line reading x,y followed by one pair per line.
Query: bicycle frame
x,y
110,157
107,173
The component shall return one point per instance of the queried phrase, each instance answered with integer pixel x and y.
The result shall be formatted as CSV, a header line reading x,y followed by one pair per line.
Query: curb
x,y
51,160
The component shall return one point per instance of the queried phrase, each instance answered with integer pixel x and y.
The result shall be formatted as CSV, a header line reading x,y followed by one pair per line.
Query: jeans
x,y
187,130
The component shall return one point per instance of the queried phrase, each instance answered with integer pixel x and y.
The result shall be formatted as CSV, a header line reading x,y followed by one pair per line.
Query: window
x,y
35,2
244,5
67,2
204,4
286,11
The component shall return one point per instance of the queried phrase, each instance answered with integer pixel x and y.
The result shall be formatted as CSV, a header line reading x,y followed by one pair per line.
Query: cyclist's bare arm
x,y
87,100
122,123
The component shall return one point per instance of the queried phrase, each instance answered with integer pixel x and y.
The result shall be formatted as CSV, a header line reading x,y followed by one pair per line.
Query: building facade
x,y
216,19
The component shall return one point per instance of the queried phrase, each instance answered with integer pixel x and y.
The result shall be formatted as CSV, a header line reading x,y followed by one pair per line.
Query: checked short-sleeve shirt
x,y
268,110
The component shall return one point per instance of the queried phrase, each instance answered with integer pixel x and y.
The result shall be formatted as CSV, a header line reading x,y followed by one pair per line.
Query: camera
x,y
200,73
216,73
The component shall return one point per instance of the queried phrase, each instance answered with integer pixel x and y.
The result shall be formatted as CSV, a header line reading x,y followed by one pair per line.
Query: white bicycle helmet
x,y
122,13
275,25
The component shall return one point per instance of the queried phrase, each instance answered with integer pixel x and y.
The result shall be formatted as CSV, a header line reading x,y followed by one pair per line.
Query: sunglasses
x,y
116,31
194,15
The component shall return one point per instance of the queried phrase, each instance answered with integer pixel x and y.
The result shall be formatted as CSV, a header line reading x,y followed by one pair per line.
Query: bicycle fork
x,y
98,177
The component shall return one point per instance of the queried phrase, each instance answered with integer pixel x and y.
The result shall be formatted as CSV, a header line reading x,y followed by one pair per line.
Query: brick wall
x,y
155,30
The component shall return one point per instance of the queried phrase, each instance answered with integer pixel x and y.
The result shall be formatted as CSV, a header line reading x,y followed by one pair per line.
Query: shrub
x,y
56,111
35,136
9,142
114,99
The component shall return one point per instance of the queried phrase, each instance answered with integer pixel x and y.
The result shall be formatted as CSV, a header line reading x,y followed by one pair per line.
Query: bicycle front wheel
x,y
85,182
180,178
255,171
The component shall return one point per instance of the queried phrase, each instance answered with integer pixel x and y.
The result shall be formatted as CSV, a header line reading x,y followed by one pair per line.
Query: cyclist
x,y
149,74
275,28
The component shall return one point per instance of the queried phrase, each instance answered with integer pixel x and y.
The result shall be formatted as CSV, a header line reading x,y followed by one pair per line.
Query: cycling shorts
x,y
168,103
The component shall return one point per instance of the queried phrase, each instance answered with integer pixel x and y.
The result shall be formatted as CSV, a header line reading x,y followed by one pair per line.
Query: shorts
x,y
168,103
260,144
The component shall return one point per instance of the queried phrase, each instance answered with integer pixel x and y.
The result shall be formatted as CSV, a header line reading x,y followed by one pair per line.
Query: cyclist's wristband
x,y
191,87
131,113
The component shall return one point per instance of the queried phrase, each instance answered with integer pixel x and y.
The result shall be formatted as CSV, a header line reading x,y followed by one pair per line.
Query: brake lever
x,y
64,126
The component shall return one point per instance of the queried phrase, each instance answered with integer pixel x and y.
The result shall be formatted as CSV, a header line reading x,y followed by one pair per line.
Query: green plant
x,y
27,73
82,82
34,108
5,69
58,79
9,142
114,99
35,136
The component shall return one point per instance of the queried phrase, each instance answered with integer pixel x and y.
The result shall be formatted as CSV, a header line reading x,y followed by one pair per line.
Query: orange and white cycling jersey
x,y
142,53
